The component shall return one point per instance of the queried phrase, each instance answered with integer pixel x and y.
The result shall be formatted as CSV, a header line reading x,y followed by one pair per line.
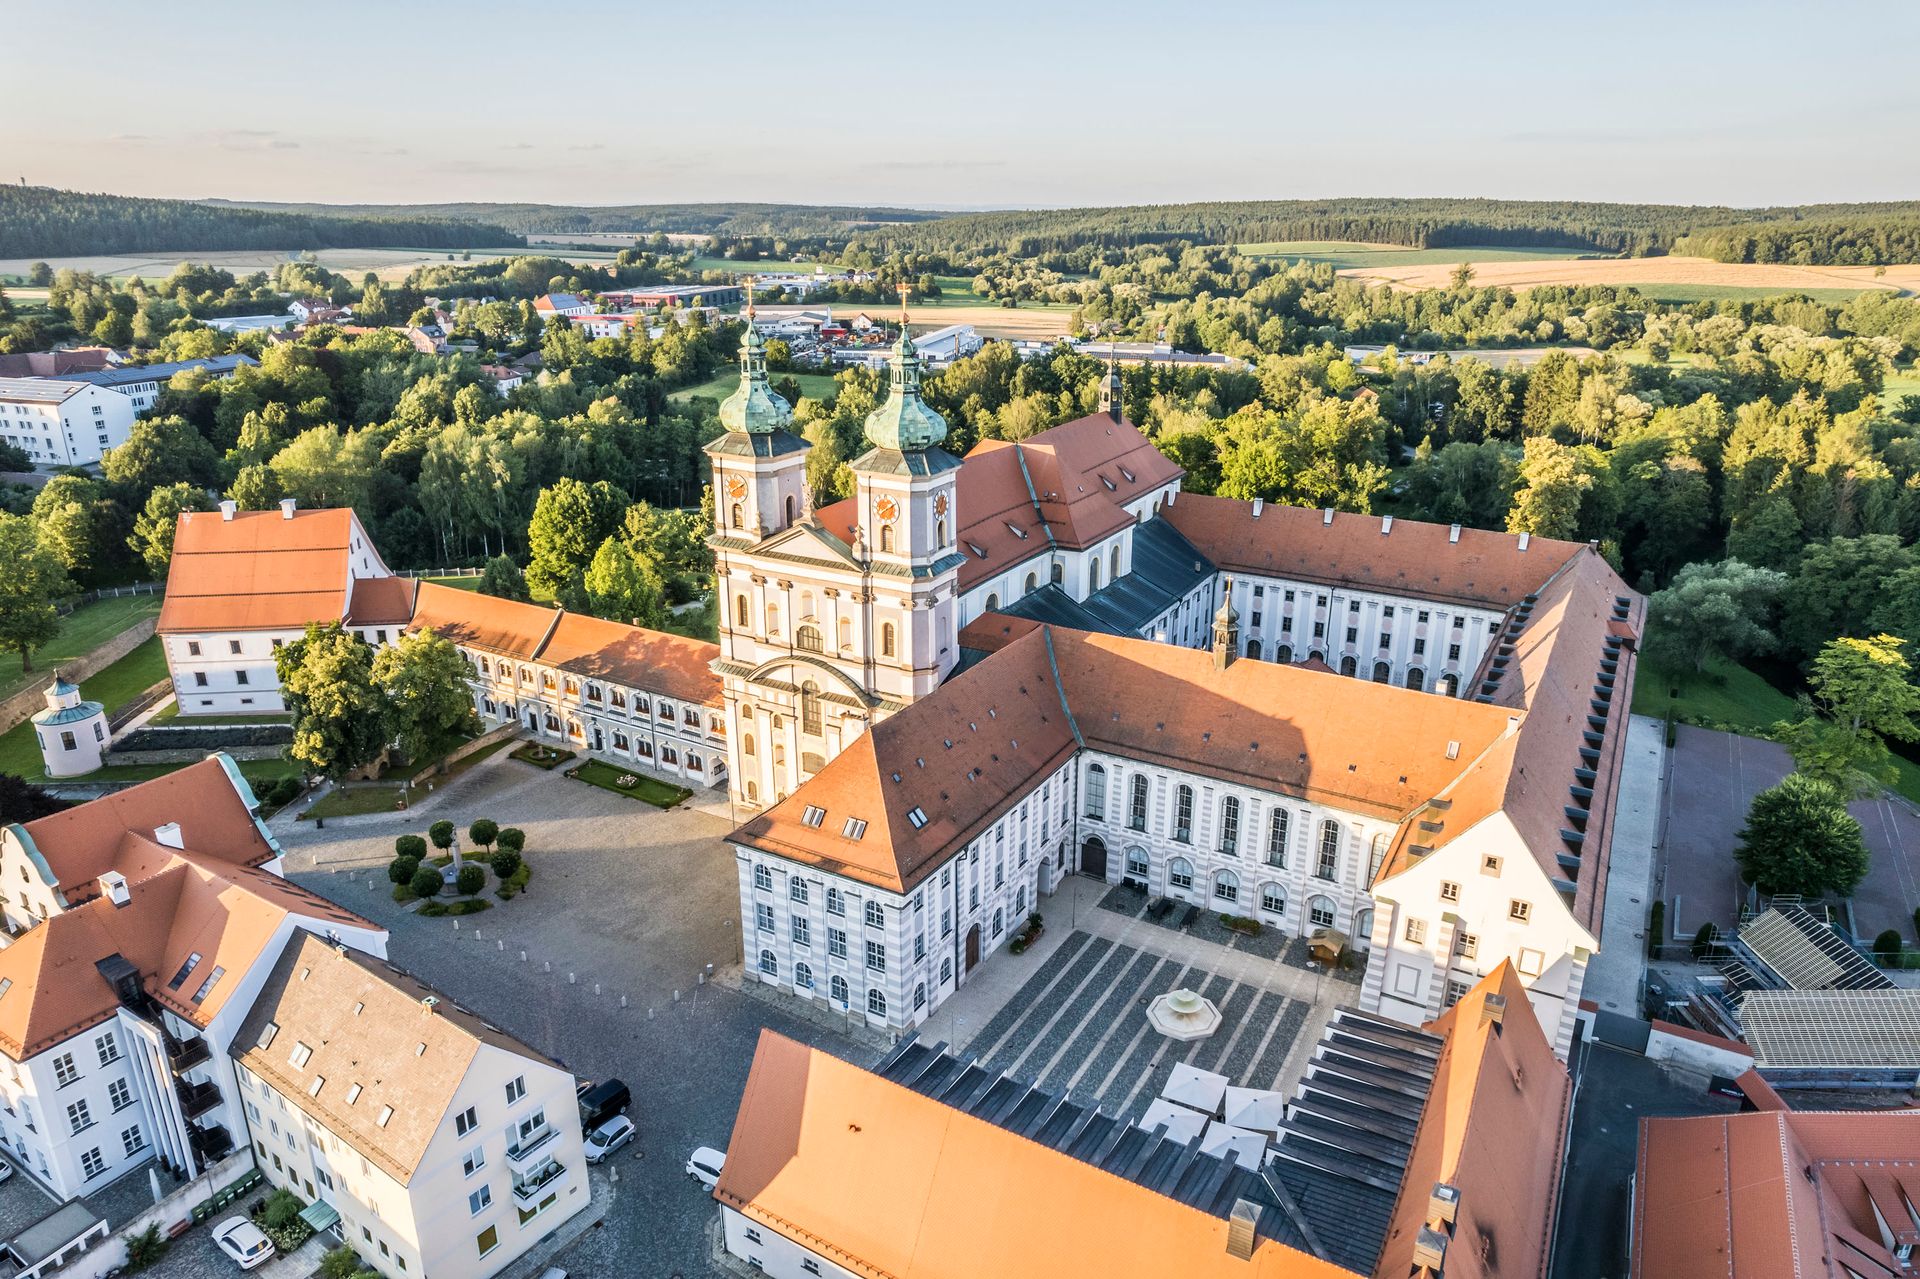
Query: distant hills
x,y
724,220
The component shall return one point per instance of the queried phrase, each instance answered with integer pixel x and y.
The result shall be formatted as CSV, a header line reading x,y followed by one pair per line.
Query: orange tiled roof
x,y
1411,558
1492,1128
257,571
893,1185
381,601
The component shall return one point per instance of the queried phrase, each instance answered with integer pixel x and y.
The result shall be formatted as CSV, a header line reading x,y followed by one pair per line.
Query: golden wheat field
x,y
1703,273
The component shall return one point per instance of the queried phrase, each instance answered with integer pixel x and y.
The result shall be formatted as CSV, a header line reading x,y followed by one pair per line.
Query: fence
x,y
440,572
110,593
172,1213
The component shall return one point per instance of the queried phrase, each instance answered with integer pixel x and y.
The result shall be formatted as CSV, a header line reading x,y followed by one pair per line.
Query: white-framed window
x,y
131,1140
478,1201
762,877
79,1115
876,915
1273,898
763,917
876,1002
466,1121
1277,838
1096,790
64,1071
516,1088
836,943
1320,911
1329,864
1230,825
803,976
801,929
836,901
797,889
837,990
1137,864
119,1095
877,956
1417,931
108,1048
1226,886
92,1164
769,966
1180,873
475,1160
1183,814
1137,803
1449,891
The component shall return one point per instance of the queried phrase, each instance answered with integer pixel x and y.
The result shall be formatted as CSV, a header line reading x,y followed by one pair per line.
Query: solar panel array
x,y
1808,954
1833,1029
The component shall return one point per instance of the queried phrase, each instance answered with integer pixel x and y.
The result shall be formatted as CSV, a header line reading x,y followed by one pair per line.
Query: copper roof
x,y
1363,552
893,1185
258,571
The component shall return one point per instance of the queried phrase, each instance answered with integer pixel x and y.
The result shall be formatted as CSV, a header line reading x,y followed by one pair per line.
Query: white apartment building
x,y
442,1146
142,926
62,423
1395,807
141,383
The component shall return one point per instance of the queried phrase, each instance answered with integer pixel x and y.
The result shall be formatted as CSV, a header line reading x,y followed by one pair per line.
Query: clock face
x,y
886,509
736,487
940,505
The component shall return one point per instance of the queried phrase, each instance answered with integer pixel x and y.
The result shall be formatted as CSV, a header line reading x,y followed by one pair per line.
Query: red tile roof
x,y
378,601
81,844
257,571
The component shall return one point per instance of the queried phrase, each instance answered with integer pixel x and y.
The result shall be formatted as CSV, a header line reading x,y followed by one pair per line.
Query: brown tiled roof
x,y
1492,1128
893,1185
1412,558
257,571
1776,1193
988,736
366,1023
672,665
381,601
82,843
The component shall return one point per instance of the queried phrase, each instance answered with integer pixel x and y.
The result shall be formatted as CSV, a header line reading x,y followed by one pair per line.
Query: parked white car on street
x,y
705,1164
244,1242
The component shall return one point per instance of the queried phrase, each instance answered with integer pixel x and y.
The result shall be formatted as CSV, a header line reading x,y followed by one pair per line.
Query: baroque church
x,y
978,676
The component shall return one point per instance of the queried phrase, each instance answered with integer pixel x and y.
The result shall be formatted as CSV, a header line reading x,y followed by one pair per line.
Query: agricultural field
x,y
1904,382
817,385
1347,255
1678,278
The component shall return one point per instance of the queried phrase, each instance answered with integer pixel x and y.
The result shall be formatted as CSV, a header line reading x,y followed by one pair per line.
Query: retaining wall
x,y
26,702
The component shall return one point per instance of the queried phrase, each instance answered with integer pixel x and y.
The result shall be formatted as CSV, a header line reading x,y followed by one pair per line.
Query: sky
x,y
971,105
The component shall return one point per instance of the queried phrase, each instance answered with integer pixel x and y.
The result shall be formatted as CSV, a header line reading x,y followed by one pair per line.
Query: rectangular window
x,y
802,930
1449,891
487,1240
233,646
119,1096
516,1088
1456,991
1531,962
79,1116
132,1141
1417,931
64,1071
763,917
476,1160
108,1047
477,1201
1519,912
465,1122
300,1056
1466,945
877,956
92,1164
836,943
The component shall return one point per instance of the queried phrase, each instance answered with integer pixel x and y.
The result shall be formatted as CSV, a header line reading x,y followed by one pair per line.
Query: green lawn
x,y
596,773
170,714
113,688
458,582
356,800
819,386
1903,382
1346,254
1684,293
81,631
770,266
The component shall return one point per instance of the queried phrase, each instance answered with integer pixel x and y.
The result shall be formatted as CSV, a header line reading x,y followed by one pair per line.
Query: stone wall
x,y
175,1210
25,703
480,743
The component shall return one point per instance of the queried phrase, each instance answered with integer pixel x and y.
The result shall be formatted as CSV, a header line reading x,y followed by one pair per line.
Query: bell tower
x,y
759,466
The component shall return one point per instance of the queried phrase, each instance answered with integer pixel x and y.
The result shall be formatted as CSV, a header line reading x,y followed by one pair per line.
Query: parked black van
x,y
602,1101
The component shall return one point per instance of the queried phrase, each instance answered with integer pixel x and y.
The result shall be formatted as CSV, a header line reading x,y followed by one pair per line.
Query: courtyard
x,y
600,963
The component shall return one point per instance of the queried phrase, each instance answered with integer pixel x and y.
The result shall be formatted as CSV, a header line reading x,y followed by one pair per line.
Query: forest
x,y
44,222
674,219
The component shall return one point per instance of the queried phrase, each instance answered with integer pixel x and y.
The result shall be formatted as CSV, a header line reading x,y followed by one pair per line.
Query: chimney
x,y
1443,1205
1453,534
1241,1229
1494,1010
227,508
1386,524
115,885
1430,1251
1524,539
1259,504
286,508
169,835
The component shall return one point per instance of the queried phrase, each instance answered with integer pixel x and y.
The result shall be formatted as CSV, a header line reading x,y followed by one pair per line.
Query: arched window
x,y
1253,649
1230,825
1096,791
1059,572
1030,585
746,744
1320,912
1315,655
1226,886
1183,814
999,922
1273,898
876,1002
1277,838
1416,679
1382,673
1329,865
1179,873
790,508
837,988
1284,655
1093,574
993,602
762,877
753,791
773,619
802,977
940,532
886,537
810,708
734,517
808,638
886,639
845,633
1113,565
1137,864
806,606
1137,803
920,995
769,966
1349,667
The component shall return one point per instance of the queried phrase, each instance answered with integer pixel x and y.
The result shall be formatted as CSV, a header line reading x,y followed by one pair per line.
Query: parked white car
x,y
244,1242
6,1170
608,1137
705,1164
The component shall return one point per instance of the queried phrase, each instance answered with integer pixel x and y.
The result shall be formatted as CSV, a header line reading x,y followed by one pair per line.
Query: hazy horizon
x,y
1008,108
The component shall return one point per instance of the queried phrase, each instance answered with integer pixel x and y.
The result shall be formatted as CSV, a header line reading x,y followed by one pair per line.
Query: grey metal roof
x,y
1806,953
130,374
1166,567
1342,1151
37,390
51,1233
776,443
1833,1029
1148,1158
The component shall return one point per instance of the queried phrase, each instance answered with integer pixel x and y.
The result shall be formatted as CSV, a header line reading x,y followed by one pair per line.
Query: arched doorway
x,y
973,947
1093,858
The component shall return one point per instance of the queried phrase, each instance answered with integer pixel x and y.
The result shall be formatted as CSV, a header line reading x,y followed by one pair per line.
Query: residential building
x,y
247,323
441,1145
142,927
242,583
549,305
318,311
970,680
141,383
505,378
834,1170
1774,1191
606,325
62,423
76,359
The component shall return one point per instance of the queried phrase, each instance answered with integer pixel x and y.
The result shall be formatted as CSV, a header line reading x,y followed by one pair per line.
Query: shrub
x,y
441,833
145,1249
504,863
484,832
341,1263
402,869
410,846
470,880
1656,928
425,882
1916,921
1887,944
1702,942
513,839
281,1208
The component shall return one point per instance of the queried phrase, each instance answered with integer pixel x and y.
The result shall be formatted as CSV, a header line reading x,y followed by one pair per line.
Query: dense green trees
x,y
32,583
1799,838
1713,611
154,527
341,718
424,679
1860,695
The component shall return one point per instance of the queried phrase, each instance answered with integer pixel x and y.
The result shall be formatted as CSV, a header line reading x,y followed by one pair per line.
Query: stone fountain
x,y
1184,1015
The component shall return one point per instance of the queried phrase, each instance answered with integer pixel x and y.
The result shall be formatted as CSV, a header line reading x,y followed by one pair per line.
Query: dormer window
x,y
918,816
854,829
813,816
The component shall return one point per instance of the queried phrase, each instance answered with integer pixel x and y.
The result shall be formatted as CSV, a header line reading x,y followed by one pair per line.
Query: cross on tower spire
x,y
750,283
903,289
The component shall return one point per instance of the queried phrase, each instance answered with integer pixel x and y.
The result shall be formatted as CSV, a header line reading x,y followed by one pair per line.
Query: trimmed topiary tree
x,y
401,870
1702,942
1887,944
513,838
426,882
441,833
505,862
410,846
470,880
484,832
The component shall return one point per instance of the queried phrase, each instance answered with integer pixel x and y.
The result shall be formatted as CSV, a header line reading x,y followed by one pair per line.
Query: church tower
x,y
1110,389
759,466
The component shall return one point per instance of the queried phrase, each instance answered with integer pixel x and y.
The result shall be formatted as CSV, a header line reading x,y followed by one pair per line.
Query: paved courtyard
x,y
1713,779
